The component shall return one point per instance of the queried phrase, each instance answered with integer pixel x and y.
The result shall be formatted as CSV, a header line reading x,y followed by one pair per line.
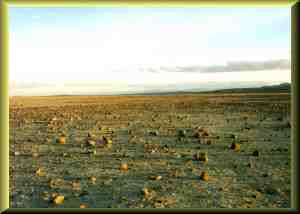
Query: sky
x,y
119,50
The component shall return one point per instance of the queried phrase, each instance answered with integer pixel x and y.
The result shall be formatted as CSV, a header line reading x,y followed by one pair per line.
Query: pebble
x,y
59,199
182,133
255,153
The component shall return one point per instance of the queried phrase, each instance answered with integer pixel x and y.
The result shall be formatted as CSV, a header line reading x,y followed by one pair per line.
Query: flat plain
x,y
145,151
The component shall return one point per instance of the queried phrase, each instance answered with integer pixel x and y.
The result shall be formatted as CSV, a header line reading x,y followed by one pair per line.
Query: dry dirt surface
x,y
179,151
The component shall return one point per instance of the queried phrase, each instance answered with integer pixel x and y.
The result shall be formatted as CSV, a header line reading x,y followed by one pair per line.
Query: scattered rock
x,y
236,147
182,133
288,124
255,153
62,139
148,193
91,143
257,195
108,143
83,206
208,142
165,201
232,136
205,134
92,179
204,176
59,199
201,132
154,133
35,154
46,196
83,193
124,167
159,205
201,156
40,172
165,148
156,178
90,135
54,183
76,185
251,164
200,129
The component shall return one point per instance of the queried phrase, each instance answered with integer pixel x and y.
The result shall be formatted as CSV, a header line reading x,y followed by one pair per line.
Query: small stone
x,y
208,142
204,176
124,167
182,133
76,185
35,154
54,183
91,143
156,178
232,136
158,205
46,196
90,135
153,133
92,179
148,194
255,153
258,194
59,199
82,206
40,172
205,134
197,135
17,153
236,147
265,175
251,164
201,156
61,139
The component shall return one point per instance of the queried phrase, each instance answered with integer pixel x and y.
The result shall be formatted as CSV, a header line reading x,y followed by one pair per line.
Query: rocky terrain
x,y
217,150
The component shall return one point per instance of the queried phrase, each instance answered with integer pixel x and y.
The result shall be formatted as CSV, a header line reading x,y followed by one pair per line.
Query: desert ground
x,y
206,150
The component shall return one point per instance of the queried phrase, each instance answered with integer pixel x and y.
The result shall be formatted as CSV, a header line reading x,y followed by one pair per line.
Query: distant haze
x,y
127,50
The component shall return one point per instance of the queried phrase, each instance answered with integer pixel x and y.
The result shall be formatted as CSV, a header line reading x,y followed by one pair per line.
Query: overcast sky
x,y
111,50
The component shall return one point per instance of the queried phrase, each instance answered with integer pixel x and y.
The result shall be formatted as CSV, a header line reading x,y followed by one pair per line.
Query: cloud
x,y
29,85
237,66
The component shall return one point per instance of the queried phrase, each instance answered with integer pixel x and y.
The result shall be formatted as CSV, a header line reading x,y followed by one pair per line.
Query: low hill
x,y
283,87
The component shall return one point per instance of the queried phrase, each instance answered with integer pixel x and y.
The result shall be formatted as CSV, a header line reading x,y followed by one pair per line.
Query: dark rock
x,y
255,153
182,133
153,133
232,136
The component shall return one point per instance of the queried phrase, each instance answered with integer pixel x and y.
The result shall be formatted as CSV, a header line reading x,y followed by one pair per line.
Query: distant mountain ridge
x,y
283,87
278,88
